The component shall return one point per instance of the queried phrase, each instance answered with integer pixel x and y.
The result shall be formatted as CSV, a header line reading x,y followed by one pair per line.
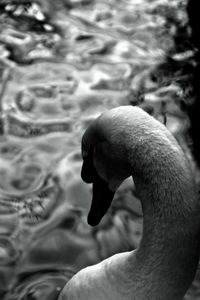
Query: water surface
x,y
62,63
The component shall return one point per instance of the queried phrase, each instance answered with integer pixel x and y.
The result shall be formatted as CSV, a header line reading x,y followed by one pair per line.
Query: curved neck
x,y
165,264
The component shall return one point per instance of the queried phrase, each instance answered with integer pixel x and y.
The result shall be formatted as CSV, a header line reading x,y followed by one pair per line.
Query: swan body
x,y
124,142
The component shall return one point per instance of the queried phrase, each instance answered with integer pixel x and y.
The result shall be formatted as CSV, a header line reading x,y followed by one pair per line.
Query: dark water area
x,y
62,63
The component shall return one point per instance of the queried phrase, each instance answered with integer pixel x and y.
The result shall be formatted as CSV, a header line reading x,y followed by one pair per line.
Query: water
x,y
62,63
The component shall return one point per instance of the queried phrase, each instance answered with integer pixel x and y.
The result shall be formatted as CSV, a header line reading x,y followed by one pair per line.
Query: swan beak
x,y
102,195
101,200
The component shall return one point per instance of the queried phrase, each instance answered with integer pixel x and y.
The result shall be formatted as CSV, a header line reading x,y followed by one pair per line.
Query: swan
x,y
122,142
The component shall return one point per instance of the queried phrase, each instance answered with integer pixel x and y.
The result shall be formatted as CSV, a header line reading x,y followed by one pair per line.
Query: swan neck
x,y
169,249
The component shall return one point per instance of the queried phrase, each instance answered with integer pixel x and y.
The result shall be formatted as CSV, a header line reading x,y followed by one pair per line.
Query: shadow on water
x,y
62,63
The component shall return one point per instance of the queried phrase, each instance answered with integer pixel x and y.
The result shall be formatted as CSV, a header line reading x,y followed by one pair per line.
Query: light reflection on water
x,y
62,63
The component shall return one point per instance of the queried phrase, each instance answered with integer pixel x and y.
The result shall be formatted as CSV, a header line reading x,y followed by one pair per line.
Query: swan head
x,y
105,162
